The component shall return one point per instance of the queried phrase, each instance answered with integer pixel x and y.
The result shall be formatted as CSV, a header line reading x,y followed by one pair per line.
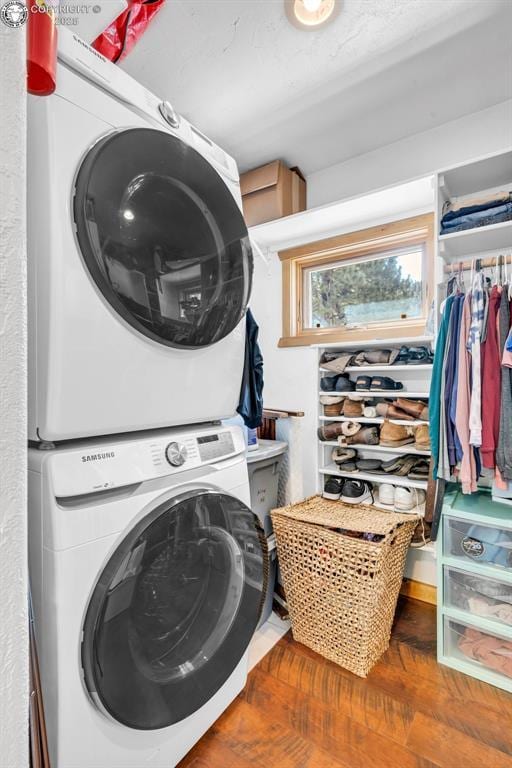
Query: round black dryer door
x,y
174,609
163,238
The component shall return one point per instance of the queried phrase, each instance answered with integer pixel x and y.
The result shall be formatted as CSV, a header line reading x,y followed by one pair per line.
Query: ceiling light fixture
x,y
310,14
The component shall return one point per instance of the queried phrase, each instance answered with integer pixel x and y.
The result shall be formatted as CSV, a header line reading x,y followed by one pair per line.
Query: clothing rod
x,y
491,261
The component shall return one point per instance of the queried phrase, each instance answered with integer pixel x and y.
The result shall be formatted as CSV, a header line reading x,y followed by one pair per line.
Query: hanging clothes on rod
x,y
471,389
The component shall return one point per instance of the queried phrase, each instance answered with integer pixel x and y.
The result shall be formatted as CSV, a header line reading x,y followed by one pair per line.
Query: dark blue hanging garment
x,y
250,406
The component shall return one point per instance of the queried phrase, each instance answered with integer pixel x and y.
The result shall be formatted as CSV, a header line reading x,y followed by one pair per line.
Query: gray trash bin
x,y
263,465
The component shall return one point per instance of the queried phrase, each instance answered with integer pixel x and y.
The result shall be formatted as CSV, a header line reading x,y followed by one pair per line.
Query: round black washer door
x,y
163,238
174,609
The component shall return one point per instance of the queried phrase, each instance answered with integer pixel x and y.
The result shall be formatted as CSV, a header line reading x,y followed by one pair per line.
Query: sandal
x,y
384,383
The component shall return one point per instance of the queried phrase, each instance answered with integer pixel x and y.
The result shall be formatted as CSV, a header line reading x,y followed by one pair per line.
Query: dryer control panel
x,y
112,464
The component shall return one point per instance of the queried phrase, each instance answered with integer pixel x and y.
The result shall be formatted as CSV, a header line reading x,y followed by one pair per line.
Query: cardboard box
x,y
271,192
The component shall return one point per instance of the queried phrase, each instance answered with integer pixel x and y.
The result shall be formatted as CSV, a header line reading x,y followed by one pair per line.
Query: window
x,y
361,285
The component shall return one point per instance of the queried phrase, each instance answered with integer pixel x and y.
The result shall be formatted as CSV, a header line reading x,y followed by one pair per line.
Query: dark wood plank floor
x,y
300,711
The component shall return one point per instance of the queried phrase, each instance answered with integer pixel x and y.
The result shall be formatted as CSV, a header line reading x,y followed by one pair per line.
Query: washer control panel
x,y
215,446
107,465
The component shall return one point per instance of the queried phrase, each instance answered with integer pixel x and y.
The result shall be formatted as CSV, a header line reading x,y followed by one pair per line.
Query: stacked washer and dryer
x,y
147,565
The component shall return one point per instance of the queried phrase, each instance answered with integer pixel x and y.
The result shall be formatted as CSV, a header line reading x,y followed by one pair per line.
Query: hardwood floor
x,y
300,711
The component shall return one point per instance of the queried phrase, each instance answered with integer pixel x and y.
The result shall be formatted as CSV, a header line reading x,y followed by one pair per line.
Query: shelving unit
x,y
402,449
376,420
416,380
492,173
469,514
373,477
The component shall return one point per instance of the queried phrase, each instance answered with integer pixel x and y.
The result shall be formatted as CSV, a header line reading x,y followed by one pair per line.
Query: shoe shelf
x,y
402,449
373,477
380,368
376,420
416,386
373,393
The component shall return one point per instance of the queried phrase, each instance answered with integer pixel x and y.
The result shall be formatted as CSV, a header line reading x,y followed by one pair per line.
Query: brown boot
x,y
394,412
422,438
414,407
352,408
394,435
329,431
365,436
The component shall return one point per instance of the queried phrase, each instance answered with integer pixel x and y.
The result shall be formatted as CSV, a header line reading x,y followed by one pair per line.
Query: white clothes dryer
x,y
148,574
140,264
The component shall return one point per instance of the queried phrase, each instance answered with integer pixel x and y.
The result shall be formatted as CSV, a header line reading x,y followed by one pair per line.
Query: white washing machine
x,y
140,264
148,574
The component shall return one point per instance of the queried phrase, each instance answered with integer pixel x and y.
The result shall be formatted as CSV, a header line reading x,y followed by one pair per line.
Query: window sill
x,y
328,336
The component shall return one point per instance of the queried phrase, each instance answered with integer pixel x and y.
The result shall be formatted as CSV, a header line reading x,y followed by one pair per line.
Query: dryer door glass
x,y
163,237
174,609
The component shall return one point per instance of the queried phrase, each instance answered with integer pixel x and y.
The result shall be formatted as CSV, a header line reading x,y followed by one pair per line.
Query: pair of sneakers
x,y
402,499
347,490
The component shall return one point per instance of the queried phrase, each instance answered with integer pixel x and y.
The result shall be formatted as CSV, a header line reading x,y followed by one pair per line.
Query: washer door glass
x,y
163,237
174,609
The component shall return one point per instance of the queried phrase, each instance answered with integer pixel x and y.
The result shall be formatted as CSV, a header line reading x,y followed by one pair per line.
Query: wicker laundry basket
x,y
342,591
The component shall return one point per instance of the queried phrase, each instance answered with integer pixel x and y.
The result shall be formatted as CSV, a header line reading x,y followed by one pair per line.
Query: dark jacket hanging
x,y
250,406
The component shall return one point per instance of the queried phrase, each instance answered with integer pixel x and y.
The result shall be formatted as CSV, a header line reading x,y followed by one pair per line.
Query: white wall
x,y
13,547
421,154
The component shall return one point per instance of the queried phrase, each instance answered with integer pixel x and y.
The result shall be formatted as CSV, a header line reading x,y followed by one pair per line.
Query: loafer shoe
x,y
332,488
357,492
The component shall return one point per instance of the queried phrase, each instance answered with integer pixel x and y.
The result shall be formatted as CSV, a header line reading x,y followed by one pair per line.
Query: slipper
x,y
369,465
419,471
384,383
331,399
363,382
391,465
405,464
349,428
341,455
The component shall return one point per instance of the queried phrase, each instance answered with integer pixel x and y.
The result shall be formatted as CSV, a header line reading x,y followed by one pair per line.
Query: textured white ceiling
x,y
383,70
